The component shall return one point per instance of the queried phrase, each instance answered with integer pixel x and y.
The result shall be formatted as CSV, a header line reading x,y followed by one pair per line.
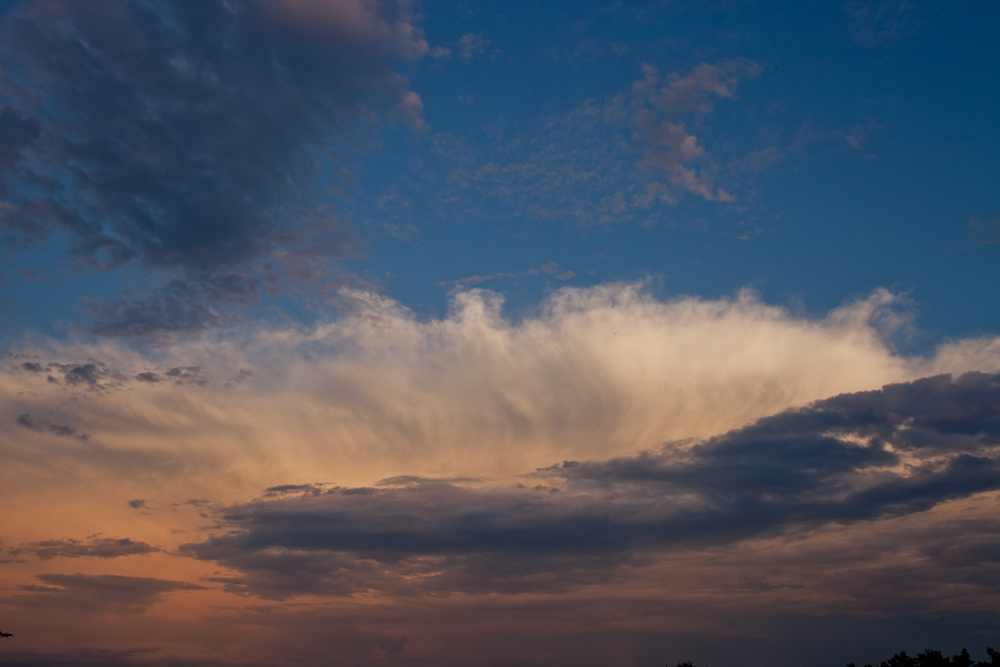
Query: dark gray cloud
x,y
84,374
27,421
89,375
282,489
96,593
99,377
852,458
98,547
177,306
201,139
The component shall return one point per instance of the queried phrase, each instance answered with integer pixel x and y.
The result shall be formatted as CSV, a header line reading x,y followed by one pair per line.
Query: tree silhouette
x,y
928,658
5,634
932,658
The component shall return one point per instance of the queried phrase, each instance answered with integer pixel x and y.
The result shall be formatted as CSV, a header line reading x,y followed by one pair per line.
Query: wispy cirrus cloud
x,y
628,157
470,45
550,268
985,233
467,47
881,23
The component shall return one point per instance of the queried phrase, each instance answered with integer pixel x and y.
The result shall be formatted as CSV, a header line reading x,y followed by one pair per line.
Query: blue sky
x,y
856,157
856,144
375,332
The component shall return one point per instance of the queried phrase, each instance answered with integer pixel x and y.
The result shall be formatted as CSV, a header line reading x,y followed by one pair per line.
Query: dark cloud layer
x,y
98,547
96,593
99,377
200,138
27,421
893,452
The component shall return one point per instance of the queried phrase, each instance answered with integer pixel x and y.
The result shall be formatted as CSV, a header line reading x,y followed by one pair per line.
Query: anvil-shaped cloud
x,y
727,457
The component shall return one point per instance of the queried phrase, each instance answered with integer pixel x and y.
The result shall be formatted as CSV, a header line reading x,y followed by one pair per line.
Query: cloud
x,y
42,425
573,167
194,141
283,489
662,128
470,45
594,373
90,374
17,132
104,593
736,462
985,233
440,52
883,23
466,47
856,457
548,268
177,306
97,547
630,157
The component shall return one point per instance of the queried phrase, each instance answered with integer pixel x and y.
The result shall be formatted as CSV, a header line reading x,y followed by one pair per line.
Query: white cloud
x,y
598,372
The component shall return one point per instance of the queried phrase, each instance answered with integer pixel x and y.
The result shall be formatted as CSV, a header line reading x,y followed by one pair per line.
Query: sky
x,y
404,332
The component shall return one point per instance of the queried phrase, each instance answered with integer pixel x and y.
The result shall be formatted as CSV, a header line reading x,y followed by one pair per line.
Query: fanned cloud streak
x,y
598,372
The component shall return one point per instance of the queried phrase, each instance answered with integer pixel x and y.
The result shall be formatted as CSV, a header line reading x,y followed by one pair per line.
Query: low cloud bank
x,y
900,450
95,593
